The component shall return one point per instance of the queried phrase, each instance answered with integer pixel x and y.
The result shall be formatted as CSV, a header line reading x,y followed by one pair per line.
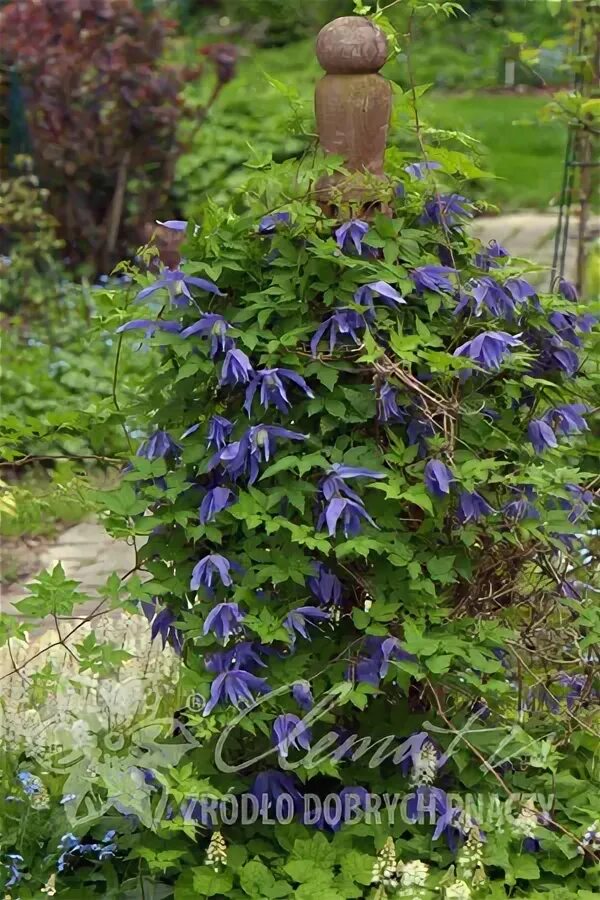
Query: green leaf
x,y
209,883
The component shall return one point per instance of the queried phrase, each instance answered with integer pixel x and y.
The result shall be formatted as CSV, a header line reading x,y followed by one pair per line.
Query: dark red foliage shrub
x,y
102,112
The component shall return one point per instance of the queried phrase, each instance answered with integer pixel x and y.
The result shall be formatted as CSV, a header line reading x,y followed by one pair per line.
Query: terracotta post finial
x,y
352,105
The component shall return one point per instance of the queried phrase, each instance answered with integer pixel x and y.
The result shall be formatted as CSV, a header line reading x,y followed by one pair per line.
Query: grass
x,y
524,154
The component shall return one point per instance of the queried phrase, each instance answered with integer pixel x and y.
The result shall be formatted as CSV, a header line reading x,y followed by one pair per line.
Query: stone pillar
x,y
353,106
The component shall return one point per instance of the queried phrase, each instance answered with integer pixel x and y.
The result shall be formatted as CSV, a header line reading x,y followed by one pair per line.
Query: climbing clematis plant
x,y
371,539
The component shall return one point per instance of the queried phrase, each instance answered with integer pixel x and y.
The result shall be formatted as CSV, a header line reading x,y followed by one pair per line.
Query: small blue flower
x,y
345,323
389,296
298,620
272,389
485,292
568,290
235,686
268,224
433,278
270,785
519,289
243,655
445,210
150,326
209,566
219,430
325,585
438,478
244,456
522,506
387,404
237,368
419,170
488,349
177,284
568,419
214,501
302,694
351,234
472,507
224,620
289,731
162,619
541,435
159,445
214,327
174,224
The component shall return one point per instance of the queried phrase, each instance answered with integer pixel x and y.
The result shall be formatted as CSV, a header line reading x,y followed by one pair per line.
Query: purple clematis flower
x,y
204,571
419,170
272,389
432,278
325,585
334,483
272,784
244,456
151,326
302,694
14,866
568,290
472,507
341,502
162,619
566,325
568,419
219,430
486,259
578,507
438,478
541,435
214,327
237,368
489,348
350,512
445,210
344,322
159,445
177,283
174,224
268,224
224,620
389,296
520,289
374,659
522,506
236,687
289,731
351,234
485,292
243,655
298,620
215,501
387,405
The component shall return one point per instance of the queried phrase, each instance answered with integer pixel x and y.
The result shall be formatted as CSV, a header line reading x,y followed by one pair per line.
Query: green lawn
x,y
524,154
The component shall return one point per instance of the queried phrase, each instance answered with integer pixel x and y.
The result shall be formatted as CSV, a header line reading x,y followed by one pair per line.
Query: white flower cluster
x,y
405,879
426,765
413,876
62,705
384,867
216,854
470,859
50,886
525,823
591,838
460,890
